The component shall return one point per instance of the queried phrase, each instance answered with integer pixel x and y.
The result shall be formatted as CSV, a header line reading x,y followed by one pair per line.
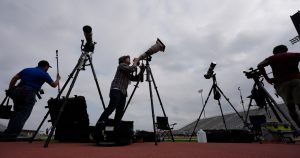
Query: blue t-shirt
x,y
34,77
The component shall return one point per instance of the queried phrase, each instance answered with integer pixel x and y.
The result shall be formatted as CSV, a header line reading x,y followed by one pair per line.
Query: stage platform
x,y
149,150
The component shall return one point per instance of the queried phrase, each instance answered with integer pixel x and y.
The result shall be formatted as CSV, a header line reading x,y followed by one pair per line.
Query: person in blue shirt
x,y
24,96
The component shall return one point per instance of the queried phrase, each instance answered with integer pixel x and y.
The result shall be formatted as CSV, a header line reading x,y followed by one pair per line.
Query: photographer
x,y
24,96
286,79
118,90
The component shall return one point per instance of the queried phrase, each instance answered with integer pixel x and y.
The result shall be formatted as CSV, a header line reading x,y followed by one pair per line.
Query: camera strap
x,y
38,95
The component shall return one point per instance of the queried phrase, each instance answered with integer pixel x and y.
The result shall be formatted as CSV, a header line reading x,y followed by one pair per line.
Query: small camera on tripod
x,y
252,73
210,71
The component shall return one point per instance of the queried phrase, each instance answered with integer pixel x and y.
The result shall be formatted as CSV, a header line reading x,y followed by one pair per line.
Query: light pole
x,y
200,91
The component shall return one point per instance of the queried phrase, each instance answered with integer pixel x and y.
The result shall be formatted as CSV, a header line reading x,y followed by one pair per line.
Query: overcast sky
x,y
237,34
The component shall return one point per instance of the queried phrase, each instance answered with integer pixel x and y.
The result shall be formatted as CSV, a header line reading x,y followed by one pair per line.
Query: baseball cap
x,y
43,63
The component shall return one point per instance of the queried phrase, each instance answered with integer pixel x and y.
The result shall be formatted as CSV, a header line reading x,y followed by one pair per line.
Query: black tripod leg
x,y
61,110
274,110
161,105
248,110
96,80
152,106
250,104
129,100
38,129
201,113
230,104
223,117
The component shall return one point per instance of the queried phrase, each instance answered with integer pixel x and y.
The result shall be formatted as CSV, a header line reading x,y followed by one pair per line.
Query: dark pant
x,y
117,102
24,100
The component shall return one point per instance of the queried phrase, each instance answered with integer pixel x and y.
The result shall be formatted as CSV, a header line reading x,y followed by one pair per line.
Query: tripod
x,y
149,74
216,90
82,62
263,98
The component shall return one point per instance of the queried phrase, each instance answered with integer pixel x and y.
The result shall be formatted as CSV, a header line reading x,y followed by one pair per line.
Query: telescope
x,y
89,46
158,46
210,71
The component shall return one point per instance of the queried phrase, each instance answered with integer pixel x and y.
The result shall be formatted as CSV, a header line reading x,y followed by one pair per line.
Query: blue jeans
x,y
24,100
117,102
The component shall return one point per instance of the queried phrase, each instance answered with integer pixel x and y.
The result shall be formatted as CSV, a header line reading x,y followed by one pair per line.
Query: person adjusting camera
x,y
24,96
286,79
118,90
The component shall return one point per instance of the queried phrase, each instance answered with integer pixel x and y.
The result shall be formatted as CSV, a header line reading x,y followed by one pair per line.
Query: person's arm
x,y
13,81
56,82
261,67
128,68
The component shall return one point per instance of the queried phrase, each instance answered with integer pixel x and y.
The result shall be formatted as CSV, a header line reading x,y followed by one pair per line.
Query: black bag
x,y
108,135
5,110
73,125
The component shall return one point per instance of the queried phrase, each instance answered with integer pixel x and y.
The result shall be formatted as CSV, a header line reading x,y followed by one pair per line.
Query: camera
x,y
210,71
158,46
90,45
252,73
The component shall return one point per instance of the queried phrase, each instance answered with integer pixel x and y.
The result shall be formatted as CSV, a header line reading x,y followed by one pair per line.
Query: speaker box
x,y
73,125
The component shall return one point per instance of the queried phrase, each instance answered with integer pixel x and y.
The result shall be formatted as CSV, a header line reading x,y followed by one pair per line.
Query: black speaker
x,y
73,124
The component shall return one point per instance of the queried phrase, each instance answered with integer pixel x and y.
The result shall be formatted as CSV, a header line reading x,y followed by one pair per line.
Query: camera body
x,y
252,73
210,71
158,46
90,45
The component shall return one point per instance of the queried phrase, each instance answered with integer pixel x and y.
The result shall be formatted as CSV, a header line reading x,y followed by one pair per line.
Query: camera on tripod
x,y
252,73
89,45
210,71
158,46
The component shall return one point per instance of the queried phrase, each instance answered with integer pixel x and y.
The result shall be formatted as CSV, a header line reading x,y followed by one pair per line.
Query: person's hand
x,y
57,76
135,61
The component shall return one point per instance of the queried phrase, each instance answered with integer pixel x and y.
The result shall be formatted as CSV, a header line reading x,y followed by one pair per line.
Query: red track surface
x,y
148,150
